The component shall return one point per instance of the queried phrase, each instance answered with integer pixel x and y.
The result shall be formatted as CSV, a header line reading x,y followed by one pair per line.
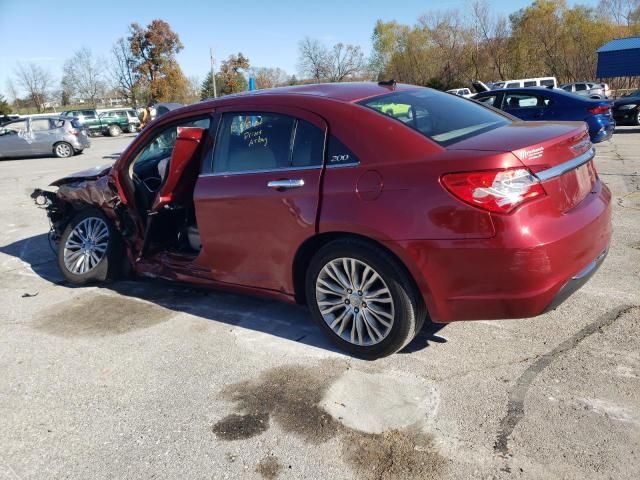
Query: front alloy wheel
x,y
355,301
86,246
90,248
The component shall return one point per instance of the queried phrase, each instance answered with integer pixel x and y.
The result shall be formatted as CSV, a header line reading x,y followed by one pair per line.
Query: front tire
x,y
63,150
363,299
90,248
115,131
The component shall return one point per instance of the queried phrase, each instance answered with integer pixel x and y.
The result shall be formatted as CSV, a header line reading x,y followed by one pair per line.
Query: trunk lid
x,y
559,154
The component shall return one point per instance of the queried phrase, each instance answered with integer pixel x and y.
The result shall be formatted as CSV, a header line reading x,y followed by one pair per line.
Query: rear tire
x,y
114,131
636,120
132,128
90,248
363,299
63,150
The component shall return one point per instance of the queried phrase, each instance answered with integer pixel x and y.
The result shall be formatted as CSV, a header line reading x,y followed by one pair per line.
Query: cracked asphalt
x,y
141,379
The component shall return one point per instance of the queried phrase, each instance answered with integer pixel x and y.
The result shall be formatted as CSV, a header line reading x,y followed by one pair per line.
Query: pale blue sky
x,y
267,31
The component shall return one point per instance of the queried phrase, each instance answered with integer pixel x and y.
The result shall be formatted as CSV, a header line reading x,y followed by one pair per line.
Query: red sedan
x,y
377,205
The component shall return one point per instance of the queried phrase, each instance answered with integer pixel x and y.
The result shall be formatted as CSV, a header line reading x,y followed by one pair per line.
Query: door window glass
x,y
530,83
160,148
580,87
40,125
525,101
253,141
513,85
547,83
17,126
491,100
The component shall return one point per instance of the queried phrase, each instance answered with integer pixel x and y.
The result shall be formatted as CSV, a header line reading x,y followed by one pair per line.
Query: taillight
x,y
599,110
494,190
75,132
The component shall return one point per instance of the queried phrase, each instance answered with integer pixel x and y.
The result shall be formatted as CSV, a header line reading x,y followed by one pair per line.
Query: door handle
x,y
284,184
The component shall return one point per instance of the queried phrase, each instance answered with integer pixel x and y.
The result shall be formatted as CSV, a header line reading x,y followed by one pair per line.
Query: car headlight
x,y
629,106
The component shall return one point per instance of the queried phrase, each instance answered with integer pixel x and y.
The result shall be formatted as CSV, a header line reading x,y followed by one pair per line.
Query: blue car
x,y
546,104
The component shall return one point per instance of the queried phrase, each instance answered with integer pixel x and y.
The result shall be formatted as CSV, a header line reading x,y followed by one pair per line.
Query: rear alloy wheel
x,y
63,150
115,131
363,299
89,249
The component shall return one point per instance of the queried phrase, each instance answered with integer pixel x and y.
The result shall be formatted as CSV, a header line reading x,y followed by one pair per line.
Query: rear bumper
x,y
533,264
601,130
577,281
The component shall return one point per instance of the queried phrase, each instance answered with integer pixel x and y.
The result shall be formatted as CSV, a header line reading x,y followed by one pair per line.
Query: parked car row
x,y
111,123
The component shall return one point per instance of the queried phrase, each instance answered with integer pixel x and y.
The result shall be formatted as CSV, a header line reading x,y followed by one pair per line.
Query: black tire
x,y
109,266
636,119
63,150
115,131
79,152
408,308
132,128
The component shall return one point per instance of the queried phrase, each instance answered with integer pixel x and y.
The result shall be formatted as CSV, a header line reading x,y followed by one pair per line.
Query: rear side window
x,y
308,145
530,83
513,85
443,118
547,83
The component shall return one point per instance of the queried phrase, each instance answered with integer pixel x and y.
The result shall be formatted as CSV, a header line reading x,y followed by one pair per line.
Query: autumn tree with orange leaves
x,y
153,50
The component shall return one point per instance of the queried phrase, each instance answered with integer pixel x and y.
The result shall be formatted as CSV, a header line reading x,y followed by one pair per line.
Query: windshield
x,y
441,117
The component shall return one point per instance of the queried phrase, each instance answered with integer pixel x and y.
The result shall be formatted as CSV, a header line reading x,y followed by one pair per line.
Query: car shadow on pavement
x,y
280,319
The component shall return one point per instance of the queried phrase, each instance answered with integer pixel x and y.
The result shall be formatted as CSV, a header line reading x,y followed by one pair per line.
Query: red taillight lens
x,y
599,110
494,190
75,132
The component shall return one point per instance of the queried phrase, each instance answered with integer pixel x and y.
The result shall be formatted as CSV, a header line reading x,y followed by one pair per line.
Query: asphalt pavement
x,y
142,379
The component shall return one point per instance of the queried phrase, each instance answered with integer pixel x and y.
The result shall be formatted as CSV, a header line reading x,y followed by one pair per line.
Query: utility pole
x,y
213,77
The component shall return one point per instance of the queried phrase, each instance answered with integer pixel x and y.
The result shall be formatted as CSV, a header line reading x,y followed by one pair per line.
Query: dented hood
x,y
90,174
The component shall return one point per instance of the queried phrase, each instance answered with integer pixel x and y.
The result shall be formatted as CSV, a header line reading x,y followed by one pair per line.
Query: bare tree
x,y
122,71
339,63
313,59
622,12
491,39
36,81
345,62
85,75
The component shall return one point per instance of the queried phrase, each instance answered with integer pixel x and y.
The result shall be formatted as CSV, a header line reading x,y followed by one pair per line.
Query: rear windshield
x,y
75,123
441,117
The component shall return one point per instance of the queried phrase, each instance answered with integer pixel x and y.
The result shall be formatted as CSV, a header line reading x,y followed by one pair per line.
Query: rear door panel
x,y
251,232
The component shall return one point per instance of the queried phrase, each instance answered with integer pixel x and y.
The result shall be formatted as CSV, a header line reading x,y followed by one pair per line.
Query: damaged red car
x,y
376,205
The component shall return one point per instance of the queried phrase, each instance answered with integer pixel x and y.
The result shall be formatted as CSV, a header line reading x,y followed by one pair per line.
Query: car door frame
x,y
208,256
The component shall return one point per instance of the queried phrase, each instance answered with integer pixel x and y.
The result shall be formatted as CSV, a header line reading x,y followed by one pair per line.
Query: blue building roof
x,y
628,43
619,58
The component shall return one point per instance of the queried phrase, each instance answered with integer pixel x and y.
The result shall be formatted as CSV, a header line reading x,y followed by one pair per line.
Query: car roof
x,y
342,91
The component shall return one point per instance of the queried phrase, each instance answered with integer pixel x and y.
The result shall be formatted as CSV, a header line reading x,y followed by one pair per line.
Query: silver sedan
x,y
26,137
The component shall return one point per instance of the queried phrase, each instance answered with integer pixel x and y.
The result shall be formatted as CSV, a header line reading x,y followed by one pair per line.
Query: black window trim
x,y
210,173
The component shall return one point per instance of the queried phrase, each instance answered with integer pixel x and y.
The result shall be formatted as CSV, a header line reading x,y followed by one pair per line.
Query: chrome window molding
x,y
266,170
564,167
343,165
